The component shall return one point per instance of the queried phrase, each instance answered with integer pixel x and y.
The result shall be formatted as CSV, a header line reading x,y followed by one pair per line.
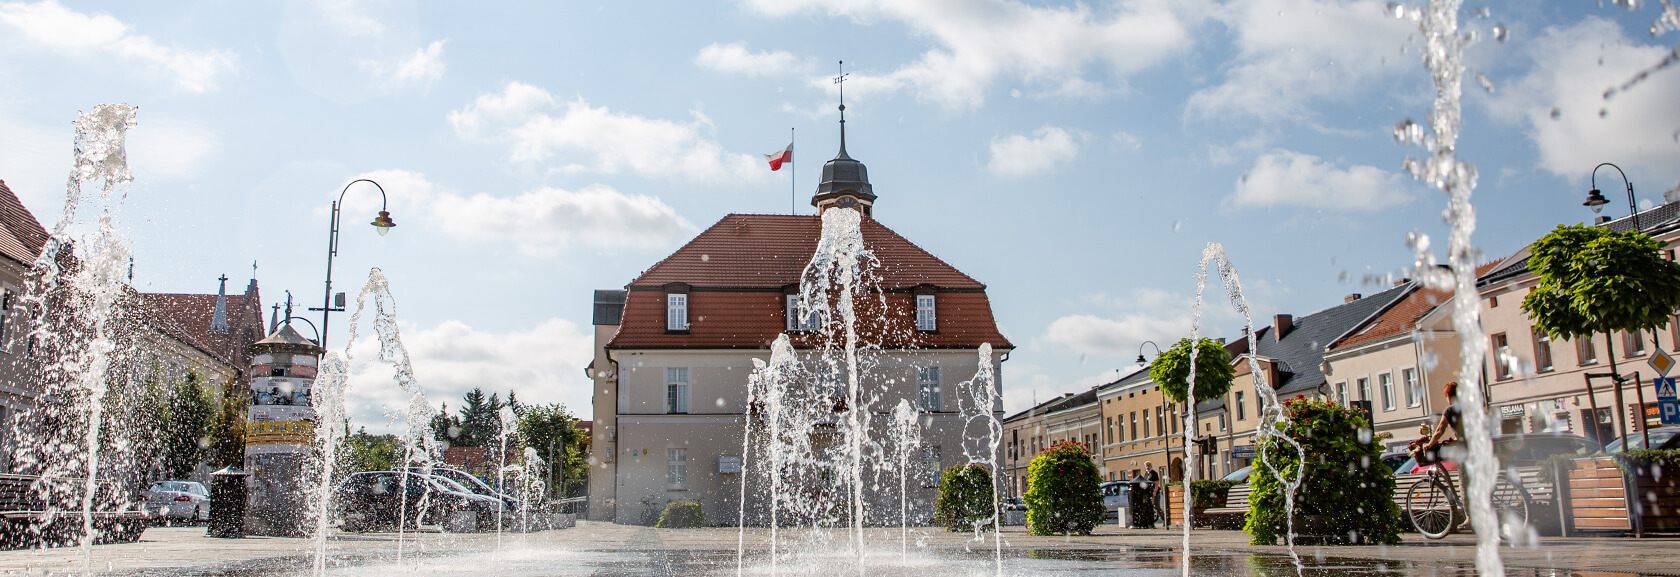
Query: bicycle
x,y
1437,510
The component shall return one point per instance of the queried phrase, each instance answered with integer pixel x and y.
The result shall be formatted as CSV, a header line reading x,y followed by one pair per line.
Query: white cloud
x,y
62,30
978,42
1284,177
423,68
1292,53
1020,155
584,138
539,222
543,364
734,58
1127,141
1639,129
168,148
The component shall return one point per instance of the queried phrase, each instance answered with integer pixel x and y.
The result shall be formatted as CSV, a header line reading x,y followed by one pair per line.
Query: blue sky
x,y
1075,157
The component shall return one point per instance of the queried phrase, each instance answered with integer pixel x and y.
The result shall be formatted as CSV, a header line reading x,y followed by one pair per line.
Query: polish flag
x,y
777,159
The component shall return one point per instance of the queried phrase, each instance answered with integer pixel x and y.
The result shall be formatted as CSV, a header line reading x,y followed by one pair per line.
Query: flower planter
x,y
1599,498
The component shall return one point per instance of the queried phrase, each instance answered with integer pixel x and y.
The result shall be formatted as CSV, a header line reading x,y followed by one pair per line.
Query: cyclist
x,y
1427,450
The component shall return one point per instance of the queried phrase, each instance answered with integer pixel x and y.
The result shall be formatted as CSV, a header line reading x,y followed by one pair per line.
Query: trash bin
x,y
227,503
1142,506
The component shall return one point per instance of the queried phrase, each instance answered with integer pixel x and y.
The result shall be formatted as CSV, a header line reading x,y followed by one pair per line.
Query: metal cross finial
x,y
841,80
253,269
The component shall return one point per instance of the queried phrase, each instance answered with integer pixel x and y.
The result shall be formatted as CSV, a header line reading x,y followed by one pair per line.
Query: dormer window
x,y
799,318
676,311
926,320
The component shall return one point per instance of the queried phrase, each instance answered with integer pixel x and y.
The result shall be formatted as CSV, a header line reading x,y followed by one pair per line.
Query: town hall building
x,y
675,347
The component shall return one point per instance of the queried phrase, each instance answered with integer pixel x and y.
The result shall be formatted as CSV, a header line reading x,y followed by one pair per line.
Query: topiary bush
x,y
681,515
965,498
1062,494
1346,494
1213,370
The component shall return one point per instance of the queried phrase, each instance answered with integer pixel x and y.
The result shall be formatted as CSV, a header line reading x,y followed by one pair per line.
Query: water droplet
x,y
1500,32
1487,84
1610,93
705,257
1408,132
1180,223
1556,113
1603,112
1397,9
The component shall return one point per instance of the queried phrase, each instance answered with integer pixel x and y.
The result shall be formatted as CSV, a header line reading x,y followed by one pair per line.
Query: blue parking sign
x,y
1667,402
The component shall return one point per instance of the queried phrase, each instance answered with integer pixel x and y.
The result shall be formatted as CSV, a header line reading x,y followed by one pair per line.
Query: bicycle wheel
x,y
1433,513
1510,503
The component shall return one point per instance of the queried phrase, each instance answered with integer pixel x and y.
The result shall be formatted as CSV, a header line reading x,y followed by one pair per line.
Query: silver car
x,y
171,501
1115,497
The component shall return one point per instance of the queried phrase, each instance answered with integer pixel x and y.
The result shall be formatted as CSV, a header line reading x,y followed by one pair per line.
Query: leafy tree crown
x,y
1593,279
1171,370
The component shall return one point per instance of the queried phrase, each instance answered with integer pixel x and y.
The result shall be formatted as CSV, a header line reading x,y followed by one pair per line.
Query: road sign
x,y
1667,401
1662,362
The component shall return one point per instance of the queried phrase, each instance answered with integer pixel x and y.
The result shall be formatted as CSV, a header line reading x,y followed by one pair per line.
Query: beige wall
x,y
713,425
603,451
1125,453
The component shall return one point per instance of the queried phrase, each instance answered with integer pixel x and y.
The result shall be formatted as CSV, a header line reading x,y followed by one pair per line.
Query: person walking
x,y
1148,512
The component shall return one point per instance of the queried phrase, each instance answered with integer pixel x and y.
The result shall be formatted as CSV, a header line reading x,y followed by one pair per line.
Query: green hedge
x,y
681,515
1062,496
1346,491
965,498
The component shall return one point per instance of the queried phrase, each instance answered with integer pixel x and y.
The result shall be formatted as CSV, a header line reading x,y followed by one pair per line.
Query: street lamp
x,y
1596,200
382,222
1144,361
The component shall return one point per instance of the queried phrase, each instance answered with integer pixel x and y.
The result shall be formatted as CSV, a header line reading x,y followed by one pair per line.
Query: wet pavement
x,y
598,549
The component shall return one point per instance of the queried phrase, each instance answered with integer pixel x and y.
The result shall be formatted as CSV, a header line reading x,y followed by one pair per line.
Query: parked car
x,y
375,500
1392,461
1661,438
472,484
1239,475
172,501
1521,450
1115,496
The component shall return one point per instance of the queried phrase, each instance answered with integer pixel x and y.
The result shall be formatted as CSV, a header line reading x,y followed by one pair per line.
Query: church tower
x,y
845,181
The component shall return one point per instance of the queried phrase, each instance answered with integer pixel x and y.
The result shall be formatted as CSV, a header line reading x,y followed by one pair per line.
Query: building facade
x,y
674,350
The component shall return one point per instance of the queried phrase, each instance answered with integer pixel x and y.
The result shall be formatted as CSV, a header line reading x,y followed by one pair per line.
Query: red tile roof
x,y
737,268
1402,316
187,318
21,236
771,250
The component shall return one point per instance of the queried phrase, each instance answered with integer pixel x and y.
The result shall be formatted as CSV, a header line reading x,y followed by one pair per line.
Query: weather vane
x,y
841,80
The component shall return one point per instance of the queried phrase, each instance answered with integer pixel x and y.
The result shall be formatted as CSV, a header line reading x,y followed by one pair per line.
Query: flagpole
x,y
793,179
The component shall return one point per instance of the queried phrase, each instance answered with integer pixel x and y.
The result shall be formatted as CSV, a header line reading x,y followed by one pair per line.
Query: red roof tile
x,y
1402,316
187,318
771,250
21,236
757,255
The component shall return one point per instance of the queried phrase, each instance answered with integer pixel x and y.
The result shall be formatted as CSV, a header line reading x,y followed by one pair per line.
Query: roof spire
x,y
841,80
218,319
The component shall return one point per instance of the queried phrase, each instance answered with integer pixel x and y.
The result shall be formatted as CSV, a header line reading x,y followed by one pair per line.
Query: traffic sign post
x,y
1662,362
1667,401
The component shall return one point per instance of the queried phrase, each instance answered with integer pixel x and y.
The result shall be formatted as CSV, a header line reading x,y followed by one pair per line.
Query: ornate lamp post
x,y
1596,200
382,222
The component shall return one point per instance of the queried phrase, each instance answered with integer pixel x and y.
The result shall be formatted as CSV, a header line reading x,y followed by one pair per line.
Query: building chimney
x,y
1401,281
1351,297
1282,324
1602,220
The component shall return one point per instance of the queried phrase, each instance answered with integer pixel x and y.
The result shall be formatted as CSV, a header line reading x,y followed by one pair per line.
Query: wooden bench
x,y
27,520
1233,514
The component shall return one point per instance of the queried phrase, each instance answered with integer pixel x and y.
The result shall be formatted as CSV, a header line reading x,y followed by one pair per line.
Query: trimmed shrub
x,y
1210,493
1213,370
681,515
1062,494
1346,495
965,498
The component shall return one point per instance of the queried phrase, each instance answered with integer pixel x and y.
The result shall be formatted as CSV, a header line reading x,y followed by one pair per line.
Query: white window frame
x,y
1385,382
927,388
676,311
1242,413
1342,394
676,390
927,313
676,469
1414,387
1364,386
1543,360
799,318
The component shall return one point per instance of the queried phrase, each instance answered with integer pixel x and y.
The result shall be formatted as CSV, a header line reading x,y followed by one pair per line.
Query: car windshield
x,y
1238,475
1637,440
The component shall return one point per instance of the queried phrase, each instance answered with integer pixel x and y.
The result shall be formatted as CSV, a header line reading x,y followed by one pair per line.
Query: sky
x,y
1075,157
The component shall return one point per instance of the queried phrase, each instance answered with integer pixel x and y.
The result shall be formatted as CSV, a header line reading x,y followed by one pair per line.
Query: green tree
x,y
549,428
965,501
1062,494
1344,488
1171,370
1595,280
228,446
367,452
193,412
